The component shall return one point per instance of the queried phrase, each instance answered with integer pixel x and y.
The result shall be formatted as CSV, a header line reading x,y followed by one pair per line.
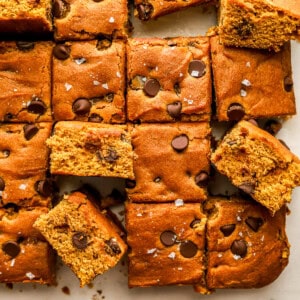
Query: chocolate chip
x,y
239,247
202,179
114,246
25,45
177,89
151,87
188,249
195,222
8,117
95,118
247,187
2,184
272,126
44,188
80,240
254,223
288,83
11,248
81,106
130,184
112,156
37,106
227,230
253,122
180,142
197,68
61,51
235,112
60,8
30,130
103,44
174,109
13,207
168,238
144,11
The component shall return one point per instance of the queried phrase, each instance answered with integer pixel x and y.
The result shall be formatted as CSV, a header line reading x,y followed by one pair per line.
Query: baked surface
x,y
82,236
259,164
23,164
166,242
168,79
163,172
23,16
152,9
25,81
86,20
91,149
246,246
89,81
24,254
262,24
251,78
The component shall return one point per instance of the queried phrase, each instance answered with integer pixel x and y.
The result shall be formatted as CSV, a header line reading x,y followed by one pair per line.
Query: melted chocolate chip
x,y
168,238
2,184
235,112
112,156
144,11
114,246
195,222
188,249
25,45
288,83
60,8
130,184
179,143
197,68
61,51
151,87
272,126
81,106
239,247
202,179
227,230
44,188
11,248
11,207
247,187
174,109
80,240
37,106
95,118
30,130
254,223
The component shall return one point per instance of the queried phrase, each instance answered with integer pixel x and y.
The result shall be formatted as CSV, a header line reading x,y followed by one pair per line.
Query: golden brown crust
x,y
251,77
163,174
94,74
168,60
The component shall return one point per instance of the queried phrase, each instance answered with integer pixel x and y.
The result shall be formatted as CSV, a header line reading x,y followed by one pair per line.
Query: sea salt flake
x,y
248,64
145,47
111,20
105,86
156,68
238,218
195,73
179,202
262,238
118,74
220,255
96,82
243,93
236,257
15,90
68,86
23,186
30,275
172,255
180,74
80,60
12,263
240,234
190,101
180,268
139,214
246,82
0,193
150,251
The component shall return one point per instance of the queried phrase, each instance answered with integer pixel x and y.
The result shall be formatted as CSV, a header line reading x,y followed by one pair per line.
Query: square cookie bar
x,y
89,81
152,9
246,246
259,164
24,253
167,244
88,19
168,79
171,161
91,149
25,81
247,90
82,236
24,163
259,24
23,16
